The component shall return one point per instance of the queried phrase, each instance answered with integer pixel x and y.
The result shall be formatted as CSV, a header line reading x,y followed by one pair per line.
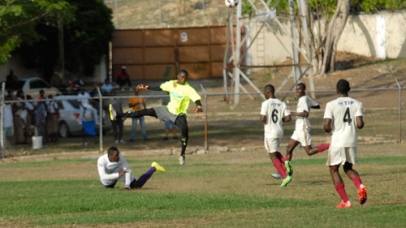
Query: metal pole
x,y
237,57
206,147
100,120
293,35
3,93
400,111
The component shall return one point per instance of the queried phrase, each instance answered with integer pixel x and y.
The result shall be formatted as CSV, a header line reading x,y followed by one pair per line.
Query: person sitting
x,y
123,78
107,87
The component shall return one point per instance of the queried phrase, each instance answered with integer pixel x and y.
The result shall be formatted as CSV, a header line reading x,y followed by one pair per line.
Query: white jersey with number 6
x,y
274,110
343,112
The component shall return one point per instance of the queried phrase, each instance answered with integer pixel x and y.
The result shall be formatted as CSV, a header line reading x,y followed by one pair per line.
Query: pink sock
x,y
323,147
341,191
280,167
280,157
357,181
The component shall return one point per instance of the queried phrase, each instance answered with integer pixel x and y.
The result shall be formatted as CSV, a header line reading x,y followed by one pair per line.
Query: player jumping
x,y
180,93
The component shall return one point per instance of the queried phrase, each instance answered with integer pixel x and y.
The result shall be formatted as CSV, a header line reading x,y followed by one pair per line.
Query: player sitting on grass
x,y
113,167
180,93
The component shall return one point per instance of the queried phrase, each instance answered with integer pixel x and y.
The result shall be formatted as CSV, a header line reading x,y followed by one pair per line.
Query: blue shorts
x,y
169,124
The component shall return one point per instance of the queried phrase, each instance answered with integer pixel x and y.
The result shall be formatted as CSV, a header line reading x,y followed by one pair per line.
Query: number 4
x,y
347,116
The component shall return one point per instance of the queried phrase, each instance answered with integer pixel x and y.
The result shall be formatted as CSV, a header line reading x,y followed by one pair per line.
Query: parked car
x,y
69,113
32,86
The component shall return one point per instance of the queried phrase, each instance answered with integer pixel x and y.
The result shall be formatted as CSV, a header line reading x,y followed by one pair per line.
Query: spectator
x,y
137,103
8,120
107,87
113,167
18,122
40,120
169,123
52,119
30,120
84,101
41,95
11,81
117,123
123,78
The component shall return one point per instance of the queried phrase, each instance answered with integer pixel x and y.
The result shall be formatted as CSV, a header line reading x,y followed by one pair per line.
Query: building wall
x,y
381,35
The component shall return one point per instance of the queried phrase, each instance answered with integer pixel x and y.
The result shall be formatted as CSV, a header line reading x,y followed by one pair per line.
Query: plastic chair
x,y
89,130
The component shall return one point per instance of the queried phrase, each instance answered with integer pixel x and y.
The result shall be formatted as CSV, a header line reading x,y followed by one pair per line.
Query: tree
x,y
86,41
18,18
330,17
335,29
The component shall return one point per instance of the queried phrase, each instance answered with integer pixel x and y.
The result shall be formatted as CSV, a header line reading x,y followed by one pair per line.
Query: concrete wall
x,y
381,35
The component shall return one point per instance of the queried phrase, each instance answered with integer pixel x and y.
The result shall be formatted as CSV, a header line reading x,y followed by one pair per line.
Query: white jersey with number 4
x,y
303,105
274,110
343,112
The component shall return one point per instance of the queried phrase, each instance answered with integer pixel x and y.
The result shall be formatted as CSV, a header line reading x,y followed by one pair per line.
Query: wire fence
x,y
222,124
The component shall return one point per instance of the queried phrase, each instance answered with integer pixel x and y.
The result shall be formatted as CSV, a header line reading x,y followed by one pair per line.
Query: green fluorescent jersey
x,y
180,96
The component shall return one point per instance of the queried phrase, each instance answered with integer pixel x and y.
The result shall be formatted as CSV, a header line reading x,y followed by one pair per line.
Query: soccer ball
x,y
231,3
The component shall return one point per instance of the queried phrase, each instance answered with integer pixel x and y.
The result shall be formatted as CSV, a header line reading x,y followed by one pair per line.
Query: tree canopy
x,y
32,29
18,19
85,41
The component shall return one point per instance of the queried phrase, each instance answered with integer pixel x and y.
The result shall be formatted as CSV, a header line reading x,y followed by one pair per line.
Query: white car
x,y
69,116
32,86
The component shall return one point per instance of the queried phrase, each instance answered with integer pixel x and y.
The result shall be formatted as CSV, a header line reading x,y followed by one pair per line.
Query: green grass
x,y
213,190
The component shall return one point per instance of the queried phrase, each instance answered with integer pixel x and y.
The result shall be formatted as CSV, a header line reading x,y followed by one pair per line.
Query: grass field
x,y
212,190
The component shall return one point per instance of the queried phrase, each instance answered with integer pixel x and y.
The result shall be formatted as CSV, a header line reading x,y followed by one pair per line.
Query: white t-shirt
x,y
84,98
107,87
109,171
274,110
304,104
52,107
8,116
343,112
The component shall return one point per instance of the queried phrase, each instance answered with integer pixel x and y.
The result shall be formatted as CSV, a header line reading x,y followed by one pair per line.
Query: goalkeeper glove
x,y
198,109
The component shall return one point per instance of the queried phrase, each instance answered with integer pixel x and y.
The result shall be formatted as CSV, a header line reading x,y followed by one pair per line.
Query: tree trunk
x,y
334,32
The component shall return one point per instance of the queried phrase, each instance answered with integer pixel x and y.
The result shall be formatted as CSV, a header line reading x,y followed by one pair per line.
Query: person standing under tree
x,y
273,113
137,103
342,117
180,95
302,127
113,167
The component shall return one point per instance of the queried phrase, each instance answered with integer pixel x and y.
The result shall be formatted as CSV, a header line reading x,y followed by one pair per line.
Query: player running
x,y
342,117
180,93
273,113
302,127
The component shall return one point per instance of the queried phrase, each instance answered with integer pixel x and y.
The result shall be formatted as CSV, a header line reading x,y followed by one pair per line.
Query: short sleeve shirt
x,y
137,103
274,110
180,96
343,112
303,105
